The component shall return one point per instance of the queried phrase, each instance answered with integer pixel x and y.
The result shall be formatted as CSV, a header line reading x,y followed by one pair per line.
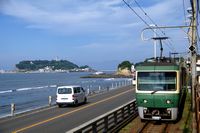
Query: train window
x,y
163,81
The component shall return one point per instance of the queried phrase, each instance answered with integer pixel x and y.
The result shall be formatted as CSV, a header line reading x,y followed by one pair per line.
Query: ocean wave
x,y
52,86
24,89
27,89
8,91
40,87
109,79
32,88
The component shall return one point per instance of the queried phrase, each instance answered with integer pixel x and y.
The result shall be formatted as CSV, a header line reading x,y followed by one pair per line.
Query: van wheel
x,y
59,105
76,103
85,100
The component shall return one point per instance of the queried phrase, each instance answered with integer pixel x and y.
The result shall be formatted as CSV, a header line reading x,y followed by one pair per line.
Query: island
x,y
50,66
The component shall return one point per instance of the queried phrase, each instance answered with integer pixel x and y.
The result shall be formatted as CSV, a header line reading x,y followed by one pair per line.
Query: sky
x,y
98,33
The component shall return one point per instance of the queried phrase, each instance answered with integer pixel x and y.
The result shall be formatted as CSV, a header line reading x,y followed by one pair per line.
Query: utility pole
x,y
193,44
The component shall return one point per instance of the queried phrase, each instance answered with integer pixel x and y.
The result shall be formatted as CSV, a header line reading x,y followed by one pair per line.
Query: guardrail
x,y
112,121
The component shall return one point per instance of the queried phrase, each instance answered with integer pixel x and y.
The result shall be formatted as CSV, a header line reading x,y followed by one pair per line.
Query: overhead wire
x,y
152,21
135,13
184,12
186,46
128,5
197,14
145,12
147,15
185,21
197,20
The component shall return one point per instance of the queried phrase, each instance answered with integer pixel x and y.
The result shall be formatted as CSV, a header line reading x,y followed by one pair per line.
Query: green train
x,y
160,86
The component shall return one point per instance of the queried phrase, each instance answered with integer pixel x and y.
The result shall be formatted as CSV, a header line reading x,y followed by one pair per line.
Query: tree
x,y
124,65
83,67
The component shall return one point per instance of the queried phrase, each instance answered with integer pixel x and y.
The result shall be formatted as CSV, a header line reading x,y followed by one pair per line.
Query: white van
x,y
70,95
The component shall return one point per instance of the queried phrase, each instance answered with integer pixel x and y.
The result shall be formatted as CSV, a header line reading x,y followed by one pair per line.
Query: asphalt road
x,y
60,120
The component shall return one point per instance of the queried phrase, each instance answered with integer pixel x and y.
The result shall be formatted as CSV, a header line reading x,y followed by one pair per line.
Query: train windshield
x,y
156,81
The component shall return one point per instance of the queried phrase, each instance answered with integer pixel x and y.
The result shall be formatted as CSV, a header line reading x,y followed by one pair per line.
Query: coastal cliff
x,y
125,72
124,68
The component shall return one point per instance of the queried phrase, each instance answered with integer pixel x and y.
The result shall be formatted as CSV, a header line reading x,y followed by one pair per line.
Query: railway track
x,y
153,127
150,126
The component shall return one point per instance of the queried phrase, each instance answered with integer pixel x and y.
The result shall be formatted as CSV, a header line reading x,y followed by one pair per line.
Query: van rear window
x,y
77,90
64,91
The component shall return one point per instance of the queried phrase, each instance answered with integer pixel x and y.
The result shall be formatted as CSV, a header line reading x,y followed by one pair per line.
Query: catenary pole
x,y
193,44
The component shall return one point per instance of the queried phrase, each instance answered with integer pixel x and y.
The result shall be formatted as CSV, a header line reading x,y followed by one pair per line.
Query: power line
x,y
198,38
184,12
128,5
145,13
136,13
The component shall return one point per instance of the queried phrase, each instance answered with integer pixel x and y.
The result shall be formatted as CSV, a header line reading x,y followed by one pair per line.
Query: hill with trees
x,y
42,64
124,68
124,65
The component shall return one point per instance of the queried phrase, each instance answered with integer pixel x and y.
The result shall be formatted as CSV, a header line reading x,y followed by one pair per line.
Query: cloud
x,y
74,17
114,27
167,12
78,12
88,16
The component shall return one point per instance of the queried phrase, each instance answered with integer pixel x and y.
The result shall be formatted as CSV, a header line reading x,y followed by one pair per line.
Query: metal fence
x,y
198,107
112,121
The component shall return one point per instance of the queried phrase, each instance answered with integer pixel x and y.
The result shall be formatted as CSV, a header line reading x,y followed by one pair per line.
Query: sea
x,y
29,91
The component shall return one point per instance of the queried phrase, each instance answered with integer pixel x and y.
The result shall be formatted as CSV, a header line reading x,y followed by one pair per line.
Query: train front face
x,y
158,94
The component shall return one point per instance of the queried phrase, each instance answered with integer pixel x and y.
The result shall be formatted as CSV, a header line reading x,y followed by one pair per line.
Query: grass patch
x,y
127,128
187,115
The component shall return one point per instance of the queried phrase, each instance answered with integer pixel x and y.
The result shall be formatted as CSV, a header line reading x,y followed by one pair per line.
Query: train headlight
x,y
145,110
168,111
145,101
168,101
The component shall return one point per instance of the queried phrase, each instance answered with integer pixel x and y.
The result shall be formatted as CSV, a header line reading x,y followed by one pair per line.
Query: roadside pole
x,y
193,51
192,48
12,109
50,100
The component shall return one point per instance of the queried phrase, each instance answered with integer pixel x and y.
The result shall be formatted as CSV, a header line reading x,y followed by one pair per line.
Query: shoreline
x,y
107,76
30,72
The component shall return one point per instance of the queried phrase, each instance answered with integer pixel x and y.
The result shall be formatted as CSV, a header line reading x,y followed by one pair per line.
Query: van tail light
x,y
74,97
